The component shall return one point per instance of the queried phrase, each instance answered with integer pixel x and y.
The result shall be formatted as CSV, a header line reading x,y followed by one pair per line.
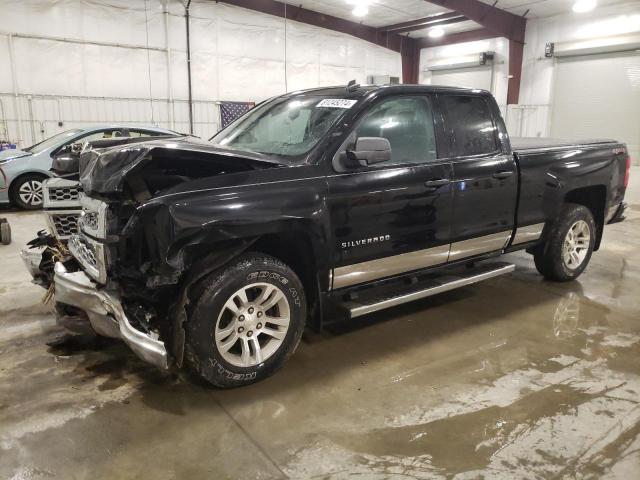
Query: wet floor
x,y
512,378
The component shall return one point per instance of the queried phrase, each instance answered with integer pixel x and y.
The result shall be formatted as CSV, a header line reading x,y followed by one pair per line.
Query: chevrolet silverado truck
x,y
321,206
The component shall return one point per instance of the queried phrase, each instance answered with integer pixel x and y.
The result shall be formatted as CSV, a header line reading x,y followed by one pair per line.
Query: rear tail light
x,y
627,171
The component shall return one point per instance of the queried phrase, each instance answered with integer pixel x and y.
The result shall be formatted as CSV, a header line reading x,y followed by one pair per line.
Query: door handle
x,y
437,182
502,174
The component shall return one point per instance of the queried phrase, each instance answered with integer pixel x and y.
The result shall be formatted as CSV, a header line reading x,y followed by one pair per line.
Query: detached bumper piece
x,y
31,258
618,216
38,257
106,315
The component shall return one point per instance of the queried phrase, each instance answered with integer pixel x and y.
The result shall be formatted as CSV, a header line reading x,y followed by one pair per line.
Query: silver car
x,y
23,171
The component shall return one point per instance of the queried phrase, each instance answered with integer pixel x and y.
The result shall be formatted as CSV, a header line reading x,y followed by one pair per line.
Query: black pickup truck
x,y
320,206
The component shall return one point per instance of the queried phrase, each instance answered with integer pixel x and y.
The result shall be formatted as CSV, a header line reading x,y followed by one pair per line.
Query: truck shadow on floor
x,y
107,358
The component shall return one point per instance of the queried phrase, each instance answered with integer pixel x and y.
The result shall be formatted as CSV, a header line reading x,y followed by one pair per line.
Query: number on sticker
x,y
337,103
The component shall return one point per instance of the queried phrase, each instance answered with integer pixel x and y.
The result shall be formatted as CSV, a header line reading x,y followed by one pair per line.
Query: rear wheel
x,y
27,191
569,245
247,321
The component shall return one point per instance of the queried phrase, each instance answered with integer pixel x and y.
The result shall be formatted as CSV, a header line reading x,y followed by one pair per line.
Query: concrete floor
x,y
511,378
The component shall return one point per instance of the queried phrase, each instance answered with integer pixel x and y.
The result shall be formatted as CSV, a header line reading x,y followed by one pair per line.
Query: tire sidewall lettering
x,y
278,279
232,375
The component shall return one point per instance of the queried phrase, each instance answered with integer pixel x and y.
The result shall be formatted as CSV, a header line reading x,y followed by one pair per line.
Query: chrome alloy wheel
x,y
30,192
252,325
576,244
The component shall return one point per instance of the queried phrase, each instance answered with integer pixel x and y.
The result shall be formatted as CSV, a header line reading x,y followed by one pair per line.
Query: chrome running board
x,y
431,287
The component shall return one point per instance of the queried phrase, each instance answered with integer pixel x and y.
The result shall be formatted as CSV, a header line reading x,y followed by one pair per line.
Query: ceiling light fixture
x,y
360,7
436,32
582,6
360,10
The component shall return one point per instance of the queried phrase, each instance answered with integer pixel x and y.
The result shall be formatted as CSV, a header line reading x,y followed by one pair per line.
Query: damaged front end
x,y
131,261
104,311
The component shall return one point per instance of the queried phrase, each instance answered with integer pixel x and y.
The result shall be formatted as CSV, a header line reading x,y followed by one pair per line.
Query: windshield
x,y
52,141
287,127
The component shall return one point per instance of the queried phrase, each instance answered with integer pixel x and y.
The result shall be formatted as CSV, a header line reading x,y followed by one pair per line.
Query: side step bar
x,y
431,287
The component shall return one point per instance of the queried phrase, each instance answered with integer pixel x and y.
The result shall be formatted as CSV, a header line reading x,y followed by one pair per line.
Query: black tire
x,y
5,233
34,182
209,312
549,258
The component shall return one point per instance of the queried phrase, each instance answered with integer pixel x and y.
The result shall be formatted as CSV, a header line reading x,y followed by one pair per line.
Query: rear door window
x,y
470,120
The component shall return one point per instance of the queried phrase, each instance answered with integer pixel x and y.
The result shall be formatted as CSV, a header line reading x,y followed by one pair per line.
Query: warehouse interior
x,y
514,377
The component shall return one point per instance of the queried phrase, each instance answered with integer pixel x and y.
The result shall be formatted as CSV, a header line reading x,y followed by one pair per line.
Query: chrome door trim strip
x,y
370,270
528,233
479,245
388,266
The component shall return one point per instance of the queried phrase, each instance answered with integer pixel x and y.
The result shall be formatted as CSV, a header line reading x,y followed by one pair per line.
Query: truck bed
x,y
528,144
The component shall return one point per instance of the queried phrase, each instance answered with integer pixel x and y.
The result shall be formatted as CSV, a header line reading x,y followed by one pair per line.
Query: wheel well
x,y
594,198
294,249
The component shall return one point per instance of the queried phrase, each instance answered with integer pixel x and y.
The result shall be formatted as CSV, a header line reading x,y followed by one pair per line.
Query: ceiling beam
x,y
499,21
388,40
461,37
421,23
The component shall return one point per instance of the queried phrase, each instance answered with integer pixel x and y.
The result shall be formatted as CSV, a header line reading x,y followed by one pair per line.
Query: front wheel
x,y
569,245
247,321
27,192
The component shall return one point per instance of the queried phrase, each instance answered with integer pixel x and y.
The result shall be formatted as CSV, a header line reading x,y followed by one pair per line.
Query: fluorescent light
x,y
360,7
360,11
436,32
582,6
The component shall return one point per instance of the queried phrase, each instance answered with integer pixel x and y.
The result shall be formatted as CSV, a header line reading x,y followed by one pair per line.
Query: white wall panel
x,y
470,77
500,63
44,66
237,55
607,106
538,73
527,120
263,40
239,77
119,21
178,72
303,44
300,74
6,82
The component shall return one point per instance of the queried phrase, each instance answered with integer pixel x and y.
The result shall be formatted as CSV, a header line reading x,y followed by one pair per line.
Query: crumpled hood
x,y
12,153
104,171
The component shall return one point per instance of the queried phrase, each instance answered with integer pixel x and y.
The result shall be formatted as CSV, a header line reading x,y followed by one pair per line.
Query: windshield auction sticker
x,y
337,103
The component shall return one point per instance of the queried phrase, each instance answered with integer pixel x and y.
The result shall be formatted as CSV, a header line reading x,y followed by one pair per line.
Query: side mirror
x,y
370,150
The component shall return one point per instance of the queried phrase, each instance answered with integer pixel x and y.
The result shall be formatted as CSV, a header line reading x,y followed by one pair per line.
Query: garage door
x,y
472,77
598,96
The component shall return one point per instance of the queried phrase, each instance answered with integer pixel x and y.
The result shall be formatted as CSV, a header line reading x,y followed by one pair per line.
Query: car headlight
x,y
93,219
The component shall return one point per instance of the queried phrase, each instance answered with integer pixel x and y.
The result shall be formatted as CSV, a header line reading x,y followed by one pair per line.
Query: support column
x,y
410,55
515,71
